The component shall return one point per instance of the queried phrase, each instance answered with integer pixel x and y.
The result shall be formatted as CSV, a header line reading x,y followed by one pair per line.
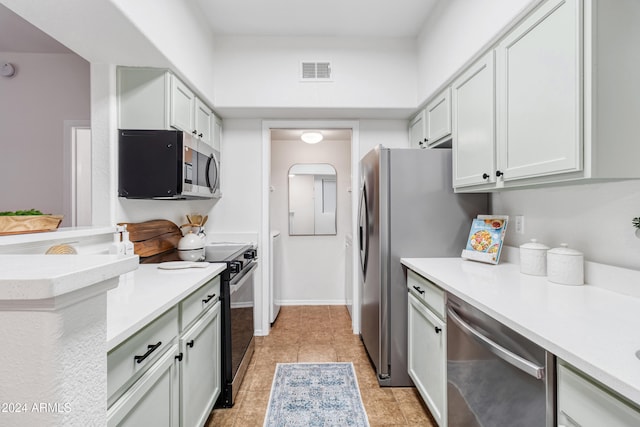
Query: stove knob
x,y
234,267
250,254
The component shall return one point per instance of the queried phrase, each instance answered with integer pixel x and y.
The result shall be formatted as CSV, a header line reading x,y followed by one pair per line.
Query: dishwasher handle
x,y
508,356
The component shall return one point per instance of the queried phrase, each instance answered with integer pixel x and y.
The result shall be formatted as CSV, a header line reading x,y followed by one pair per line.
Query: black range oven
x,y
237,299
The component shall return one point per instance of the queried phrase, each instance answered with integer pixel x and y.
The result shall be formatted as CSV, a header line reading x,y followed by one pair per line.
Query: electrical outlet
x,y
520,224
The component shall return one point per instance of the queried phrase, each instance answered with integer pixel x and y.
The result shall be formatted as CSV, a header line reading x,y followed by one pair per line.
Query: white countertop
x,y
594,329
36,277
61,233
146,293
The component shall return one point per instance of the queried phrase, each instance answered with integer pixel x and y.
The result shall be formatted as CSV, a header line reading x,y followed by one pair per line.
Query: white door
x,y
200,368
438,117
417,131
426,358
539,69
77,173
203,120
182,106
473,124
153,400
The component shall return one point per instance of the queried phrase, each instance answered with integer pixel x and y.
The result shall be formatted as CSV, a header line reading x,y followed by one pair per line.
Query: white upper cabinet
x,y
563,95
183,103
153,98
203,121
417,131
438,118
539,68
473,127
216,139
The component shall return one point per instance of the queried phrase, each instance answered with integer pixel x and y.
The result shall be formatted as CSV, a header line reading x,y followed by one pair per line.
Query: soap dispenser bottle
x,y
117,247
128,245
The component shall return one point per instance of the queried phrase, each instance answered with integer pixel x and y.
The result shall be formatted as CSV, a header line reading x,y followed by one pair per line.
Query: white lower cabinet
x,y
427,355
153,400
165,375
584,403
200,368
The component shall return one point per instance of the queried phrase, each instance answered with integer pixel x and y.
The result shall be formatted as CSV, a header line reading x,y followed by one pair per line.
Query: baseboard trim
x,y
313,302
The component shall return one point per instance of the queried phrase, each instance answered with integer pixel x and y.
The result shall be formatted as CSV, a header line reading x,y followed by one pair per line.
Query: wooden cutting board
x,y
153,237
21,224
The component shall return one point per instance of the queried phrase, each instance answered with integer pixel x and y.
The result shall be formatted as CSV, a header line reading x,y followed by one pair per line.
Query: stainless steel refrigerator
x,y
407,209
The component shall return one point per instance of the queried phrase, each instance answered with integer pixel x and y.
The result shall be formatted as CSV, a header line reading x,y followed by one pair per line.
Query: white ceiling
x,y
18,35
327,18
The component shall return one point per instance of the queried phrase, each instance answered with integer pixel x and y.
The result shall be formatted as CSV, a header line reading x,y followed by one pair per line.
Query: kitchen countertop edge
x,y
448,273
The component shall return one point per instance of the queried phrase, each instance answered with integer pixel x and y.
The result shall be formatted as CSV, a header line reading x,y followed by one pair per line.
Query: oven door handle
x,y
508,356
237,282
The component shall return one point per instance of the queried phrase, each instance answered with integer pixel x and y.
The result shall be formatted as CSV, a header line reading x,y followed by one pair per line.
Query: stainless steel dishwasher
x,y
495,376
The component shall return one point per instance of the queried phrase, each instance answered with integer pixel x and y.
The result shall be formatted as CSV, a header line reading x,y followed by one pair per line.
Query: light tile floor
x,y
318,334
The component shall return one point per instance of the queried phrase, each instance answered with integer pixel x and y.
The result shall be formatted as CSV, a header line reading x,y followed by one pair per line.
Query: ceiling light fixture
x,y
311,137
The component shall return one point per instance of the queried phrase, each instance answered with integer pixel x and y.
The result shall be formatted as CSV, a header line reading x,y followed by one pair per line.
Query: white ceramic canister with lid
x,y
565,265
533,258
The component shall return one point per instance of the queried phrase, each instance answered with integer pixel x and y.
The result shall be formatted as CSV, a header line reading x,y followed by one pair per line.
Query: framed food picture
x,y
485,238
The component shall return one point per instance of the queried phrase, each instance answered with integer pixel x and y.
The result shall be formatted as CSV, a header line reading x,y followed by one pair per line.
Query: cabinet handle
x,y
485,176
150,349
200,135
438,330
179,357
499,174
420,291
209,298
190,344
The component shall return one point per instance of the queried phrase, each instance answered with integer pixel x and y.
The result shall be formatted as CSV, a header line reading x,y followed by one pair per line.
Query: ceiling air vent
x,y
315,71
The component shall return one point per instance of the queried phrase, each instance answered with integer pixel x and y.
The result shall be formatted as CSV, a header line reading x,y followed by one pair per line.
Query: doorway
x,y
77,173
278,139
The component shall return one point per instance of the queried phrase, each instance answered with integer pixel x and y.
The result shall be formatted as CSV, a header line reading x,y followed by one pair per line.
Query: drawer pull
x,y
179,357
150,349
190,344
438,330
419,289
209,298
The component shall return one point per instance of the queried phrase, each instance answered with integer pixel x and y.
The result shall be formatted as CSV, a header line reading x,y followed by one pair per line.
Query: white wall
x,y
390,133
593,218
455,31
314,269
46,90
264,72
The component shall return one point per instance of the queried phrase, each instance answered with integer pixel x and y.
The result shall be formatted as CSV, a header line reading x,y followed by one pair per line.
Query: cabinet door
x,y
204,118
427,357
417,136
438,118
153,400
200,368
582,403
182,106
217,133
473,124
539,68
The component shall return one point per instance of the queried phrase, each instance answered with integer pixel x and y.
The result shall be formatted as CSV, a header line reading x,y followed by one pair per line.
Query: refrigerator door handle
x,y
363,223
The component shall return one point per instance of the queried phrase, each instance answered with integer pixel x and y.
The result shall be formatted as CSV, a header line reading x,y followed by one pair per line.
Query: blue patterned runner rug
x,y
315,394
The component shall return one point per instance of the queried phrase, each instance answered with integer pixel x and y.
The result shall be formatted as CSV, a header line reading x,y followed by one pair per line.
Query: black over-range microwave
x,y
166,164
